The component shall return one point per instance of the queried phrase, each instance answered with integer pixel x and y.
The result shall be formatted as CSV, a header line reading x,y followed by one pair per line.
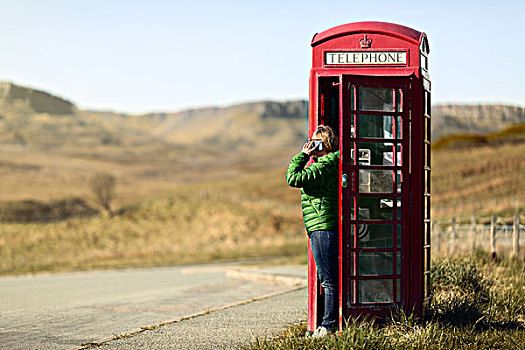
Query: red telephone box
x,y
370,81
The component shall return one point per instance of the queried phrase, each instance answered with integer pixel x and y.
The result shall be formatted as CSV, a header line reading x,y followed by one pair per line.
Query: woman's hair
x,y
329,138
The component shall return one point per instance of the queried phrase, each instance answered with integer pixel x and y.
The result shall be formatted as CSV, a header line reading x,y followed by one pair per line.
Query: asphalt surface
x,y
230,328
160,308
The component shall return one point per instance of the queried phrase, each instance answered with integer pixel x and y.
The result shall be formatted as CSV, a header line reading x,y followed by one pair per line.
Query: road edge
x,y
297,284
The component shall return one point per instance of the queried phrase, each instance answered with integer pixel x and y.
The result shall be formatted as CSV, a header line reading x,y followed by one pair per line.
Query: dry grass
x,y
176,214
209,197
478,180
476,304
479,174
216,221
219,194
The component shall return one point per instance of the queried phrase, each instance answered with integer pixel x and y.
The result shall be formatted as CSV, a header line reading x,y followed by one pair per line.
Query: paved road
x,y
229,328
67,310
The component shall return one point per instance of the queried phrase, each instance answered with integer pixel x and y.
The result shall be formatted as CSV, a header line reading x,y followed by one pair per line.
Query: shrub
x,y
103,185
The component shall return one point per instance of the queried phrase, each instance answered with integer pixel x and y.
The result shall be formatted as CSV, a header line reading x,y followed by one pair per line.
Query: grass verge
x,y
221,221
476,304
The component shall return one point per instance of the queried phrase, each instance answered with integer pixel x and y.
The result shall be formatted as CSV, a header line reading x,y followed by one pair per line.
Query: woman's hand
x,y
308,148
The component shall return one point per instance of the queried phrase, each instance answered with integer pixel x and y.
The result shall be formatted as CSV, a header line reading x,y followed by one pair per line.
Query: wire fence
x,y
497,235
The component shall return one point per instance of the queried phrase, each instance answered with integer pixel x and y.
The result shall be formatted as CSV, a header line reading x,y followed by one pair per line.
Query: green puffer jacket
x,y
319,190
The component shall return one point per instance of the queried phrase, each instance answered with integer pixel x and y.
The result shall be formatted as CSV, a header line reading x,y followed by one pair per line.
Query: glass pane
x,y
375,153
386,208
352,127
399,235
376,99
380,126
388,157
352,151
424,62
375,291
375,208
399,127
352,265
399,181
352,294
399,100
352,97
427,103
398,263
352,229
375,181
375,235
398,290
352,208
375,263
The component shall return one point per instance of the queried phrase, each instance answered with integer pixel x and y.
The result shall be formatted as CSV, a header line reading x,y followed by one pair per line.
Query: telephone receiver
x,y
318,146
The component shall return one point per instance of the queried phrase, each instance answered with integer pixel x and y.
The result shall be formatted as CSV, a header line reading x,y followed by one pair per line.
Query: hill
x,y
41,121
473,119
198,185
37,101
50,148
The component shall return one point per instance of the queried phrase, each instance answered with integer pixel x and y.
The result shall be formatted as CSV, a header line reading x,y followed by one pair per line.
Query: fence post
x,y
473,232
493,236
516,235
435,242
452,241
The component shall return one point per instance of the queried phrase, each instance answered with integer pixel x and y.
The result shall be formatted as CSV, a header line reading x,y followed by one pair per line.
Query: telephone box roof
x,y
386,28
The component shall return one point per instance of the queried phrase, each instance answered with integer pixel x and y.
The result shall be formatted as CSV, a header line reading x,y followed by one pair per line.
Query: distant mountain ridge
x,y
296,109
446,119
39,101
474,119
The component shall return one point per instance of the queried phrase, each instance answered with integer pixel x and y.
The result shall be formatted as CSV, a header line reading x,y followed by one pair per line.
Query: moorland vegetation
x,y
195,186
476,303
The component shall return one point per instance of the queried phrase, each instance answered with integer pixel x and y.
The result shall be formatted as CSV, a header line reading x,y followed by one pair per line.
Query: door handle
x,y
344,181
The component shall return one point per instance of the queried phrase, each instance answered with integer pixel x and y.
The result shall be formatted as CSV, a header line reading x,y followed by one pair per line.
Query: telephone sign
x,y
365,57
370,82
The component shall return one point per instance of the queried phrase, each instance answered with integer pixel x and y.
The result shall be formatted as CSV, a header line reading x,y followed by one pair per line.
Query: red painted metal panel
x,y
386,28
312,292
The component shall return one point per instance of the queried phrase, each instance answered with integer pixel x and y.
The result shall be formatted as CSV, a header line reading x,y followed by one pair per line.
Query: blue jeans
x,y
325,247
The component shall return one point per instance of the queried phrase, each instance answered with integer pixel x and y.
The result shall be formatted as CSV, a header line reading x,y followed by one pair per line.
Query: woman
x,y
319,201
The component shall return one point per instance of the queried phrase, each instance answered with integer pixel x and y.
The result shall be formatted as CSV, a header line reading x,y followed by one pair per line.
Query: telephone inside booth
x,y
369,81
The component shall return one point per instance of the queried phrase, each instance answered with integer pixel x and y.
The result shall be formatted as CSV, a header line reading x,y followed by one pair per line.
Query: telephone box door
x,y
374,134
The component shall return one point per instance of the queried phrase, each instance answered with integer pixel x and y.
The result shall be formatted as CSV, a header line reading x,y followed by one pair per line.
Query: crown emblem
x,y
365,42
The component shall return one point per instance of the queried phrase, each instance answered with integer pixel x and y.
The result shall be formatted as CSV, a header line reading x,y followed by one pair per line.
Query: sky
x,y
151,55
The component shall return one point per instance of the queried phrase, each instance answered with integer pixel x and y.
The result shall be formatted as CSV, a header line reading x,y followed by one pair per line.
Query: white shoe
x,y
320,332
